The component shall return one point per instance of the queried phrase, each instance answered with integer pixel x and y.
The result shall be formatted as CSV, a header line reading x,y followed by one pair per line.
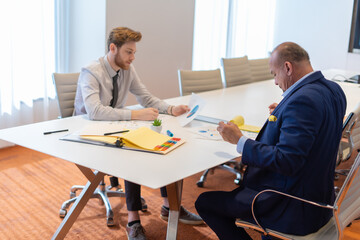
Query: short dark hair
x,y
292,52
121,35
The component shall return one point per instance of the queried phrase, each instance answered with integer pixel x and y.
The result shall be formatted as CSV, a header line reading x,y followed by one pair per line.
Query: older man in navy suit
x,y
295,152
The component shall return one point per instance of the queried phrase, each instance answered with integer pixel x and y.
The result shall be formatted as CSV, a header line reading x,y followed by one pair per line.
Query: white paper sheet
x,y
196,104
206,132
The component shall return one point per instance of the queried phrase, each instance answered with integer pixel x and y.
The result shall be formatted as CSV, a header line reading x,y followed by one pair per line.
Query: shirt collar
x,y
290,89
108,67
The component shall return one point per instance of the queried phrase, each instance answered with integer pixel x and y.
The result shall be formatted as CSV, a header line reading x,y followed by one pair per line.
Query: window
x,y
231,28
354,45
27,52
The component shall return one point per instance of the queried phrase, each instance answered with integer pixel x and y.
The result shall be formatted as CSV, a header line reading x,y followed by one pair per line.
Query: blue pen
x,y
170,134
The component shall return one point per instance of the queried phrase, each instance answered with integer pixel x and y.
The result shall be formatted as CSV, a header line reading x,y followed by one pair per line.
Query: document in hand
x,y
143,139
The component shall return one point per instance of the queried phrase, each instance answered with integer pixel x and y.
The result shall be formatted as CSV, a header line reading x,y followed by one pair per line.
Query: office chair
x,y
346,208
236,71
350,142
199,81
260,70
233,166
65,86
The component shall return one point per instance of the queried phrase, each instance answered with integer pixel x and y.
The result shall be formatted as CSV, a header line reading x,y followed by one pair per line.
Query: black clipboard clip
x,y
119,143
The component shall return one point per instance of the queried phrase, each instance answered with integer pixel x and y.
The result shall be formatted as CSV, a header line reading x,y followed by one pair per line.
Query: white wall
x,y
322,27
166,46
167,29
86,32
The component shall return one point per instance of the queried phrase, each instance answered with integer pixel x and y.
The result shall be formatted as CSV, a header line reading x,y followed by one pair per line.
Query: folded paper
x,y
272,118
240,122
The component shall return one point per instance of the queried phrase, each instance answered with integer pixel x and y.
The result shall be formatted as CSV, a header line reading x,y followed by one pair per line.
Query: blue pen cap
x,y
170,134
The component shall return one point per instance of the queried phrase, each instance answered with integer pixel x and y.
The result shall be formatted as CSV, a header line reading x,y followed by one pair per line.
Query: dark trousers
x,y
133,195
219,210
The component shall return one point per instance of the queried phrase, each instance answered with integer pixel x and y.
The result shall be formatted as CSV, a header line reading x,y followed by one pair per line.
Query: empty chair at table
x,y
350,142
260,70
199,81
236,71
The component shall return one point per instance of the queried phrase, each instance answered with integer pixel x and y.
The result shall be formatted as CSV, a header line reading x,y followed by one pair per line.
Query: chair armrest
x,y
286,195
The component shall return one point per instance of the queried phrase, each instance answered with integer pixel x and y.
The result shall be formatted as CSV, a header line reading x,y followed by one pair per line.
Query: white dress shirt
x,y
94,92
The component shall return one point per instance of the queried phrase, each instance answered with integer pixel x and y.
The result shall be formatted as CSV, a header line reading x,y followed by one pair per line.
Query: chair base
x,y
102,193
236,169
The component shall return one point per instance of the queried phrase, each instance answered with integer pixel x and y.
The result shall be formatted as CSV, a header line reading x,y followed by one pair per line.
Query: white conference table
x,y
153,170
351,90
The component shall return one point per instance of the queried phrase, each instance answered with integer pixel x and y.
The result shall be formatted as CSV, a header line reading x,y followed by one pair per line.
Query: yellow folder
x,y
143,139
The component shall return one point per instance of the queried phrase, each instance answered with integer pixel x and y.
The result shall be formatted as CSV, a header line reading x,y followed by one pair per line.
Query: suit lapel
x,y
313,77
261,130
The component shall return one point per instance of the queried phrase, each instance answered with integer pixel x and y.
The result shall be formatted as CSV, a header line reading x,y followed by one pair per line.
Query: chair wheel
x,y
110,222
72,195
62,213
200,184
237,181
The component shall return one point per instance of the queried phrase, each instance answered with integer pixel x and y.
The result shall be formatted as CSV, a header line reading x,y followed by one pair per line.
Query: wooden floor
x,y
14,157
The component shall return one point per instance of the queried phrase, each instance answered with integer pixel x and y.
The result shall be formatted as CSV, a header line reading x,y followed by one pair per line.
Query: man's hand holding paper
x,y
230,132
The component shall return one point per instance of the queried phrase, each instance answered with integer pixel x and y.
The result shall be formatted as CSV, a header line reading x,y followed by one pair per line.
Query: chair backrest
x,y
260,69
344,146
236,71
351,132
354,130
348,199
65,86
199,81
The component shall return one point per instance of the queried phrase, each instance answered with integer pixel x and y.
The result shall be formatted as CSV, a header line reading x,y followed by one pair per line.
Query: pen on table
x,y
111,133
57,131
170,134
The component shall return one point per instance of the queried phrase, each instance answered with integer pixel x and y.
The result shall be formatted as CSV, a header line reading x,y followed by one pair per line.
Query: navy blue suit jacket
x,y
296,154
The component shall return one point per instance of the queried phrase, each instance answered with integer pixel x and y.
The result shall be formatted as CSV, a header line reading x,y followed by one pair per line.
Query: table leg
x,y
79,204
174,192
